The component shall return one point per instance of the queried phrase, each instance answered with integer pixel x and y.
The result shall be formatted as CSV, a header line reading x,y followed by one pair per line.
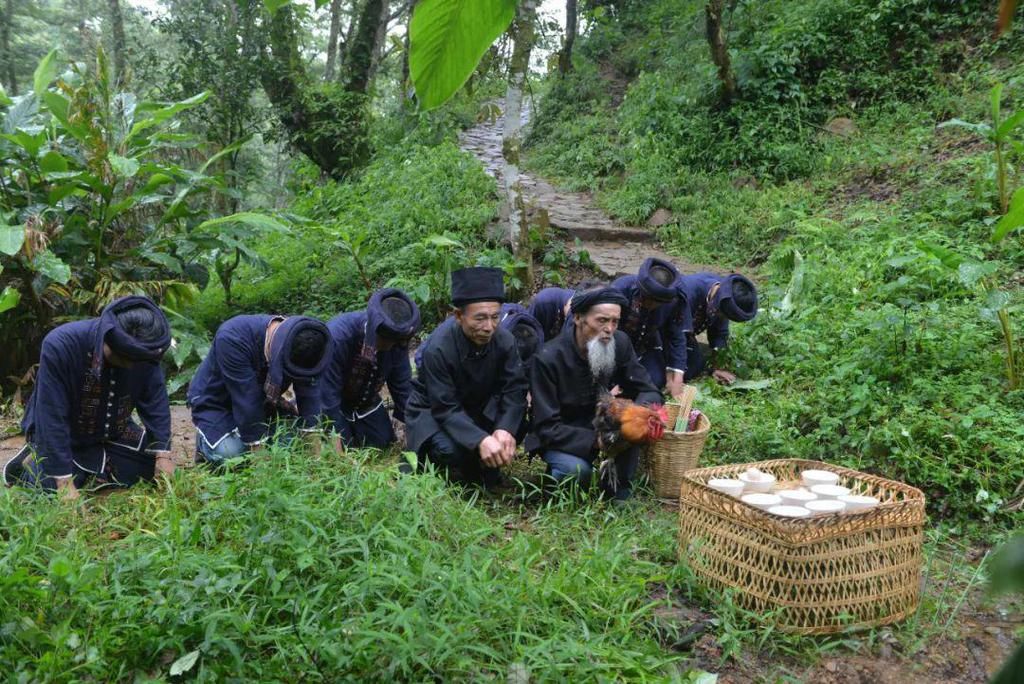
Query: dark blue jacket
x,y
227,390
662,327
348,331
71,408
696,287
548,307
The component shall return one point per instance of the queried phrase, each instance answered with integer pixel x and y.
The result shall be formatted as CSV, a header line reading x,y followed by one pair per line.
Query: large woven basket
x,y
670,457
816,575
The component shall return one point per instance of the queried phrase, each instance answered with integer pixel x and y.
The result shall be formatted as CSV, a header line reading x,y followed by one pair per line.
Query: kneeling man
x,y
570,374
237,395
371,348
92,375
469,396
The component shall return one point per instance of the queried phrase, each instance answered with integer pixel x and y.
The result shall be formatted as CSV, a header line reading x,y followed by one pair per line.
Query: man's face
x,y
115,359
478,321
386,343
600,322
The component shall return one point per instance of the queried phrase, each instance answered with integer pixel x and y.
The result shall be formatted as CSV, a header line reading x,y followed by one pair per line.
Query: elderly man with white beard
x,y
568,376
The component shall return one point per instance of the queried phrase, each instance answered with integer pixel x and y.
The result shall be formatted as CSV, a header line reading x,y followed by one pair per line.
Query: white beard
x,y
601,357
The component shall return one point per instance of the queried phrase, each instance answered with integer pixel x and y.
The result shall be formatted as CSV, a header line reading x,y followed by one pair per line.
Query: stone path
x,y
615,249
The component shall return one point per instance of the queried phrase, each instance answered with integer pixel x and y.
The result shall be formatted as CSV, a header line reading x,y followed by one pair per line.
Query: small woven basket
x,y
817,575
670,457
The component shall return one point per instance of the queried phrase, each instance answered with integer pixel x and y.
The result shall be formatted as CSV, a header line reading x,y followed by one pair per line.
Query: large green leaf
x,y
261,222
4,100
11,238
1013,219
946,256
447,38
53,162
50,265
274,5
158,116
125,167
45,72
9,298
21,115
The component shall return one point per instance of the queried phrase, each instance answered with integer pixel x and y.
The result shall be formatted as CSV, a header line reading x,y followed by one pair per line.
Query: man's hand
x,y
66,489
164,463
508,445
490,452
723,376
674,384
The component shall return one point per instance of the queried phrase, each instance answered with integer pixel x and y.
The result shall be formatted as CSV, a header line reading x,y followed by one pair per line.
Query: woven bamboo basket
x,y
670,457
817,575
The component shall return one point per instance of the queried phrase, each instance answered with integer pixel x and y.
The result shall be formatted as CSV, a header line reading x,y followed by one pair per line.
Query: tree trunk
x,y
720,51
408,94
327,125
378,43
571,21
511,144
332,40
360,53
117,31
8,74
346,46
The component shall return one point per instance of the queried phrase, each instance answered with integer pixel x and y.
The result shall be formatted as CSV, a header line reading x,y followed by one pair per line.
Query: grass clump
x,y
309,569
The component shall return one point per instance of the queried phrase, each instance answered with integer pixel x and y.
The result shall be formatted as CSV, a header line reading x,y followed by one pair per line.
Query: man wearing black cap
x,y
713,300
92,375
469,396
653,319
569,375
237,393
370,348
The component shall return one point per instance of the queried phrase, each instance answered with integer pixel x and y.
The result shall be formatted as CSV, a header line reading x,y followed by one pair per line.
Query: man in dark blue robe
x,y
92,375
469,396
654,318
713,301
525,329
236,395
550,308
371,348
567,378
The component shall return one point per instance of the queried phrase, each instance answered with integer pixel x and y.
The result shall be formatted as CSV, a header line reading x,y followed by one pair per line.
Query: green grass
x,y
301,568
304,568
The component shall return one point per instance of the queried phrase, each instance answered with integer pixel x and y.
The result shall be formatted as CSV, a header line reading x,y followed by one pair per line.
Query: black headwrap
x,y
526,329
650,285
281,364
111,332
739,311
582,302
379,321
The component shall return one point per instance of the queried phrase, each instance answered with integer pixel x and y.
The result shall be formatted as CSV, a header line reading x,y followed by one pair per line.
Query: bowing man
x,y
569,375
713,301
370,348
469,397
550,308
237,394
92,375
654,318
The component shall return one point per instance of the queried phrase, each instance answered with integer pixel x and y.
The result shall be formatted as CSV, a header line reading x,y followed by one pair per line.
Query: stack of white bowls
x,y
820,495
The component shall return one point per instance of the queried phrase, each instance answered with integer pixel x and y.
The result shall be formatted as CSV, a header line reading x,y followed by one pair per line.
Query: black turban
x,y
582,302
737,298
141,336
650,275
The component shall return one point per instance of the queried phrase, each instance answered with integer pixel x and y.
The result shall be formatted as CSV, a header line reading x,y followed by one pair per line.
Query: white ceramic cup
x,y
855,502
830,491
819,477
757,486
825,506
726,486
761,500
789,511
796,497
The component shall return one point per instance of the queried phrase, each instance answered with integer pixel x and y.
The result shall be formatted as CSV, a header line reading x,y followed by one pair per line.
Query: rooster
x,y
620,420
620,423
